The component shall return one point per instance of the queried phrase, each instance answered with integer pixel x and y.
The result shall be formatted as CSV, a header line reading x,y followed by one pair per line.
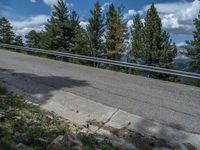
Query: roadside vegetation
x,y
108,35
24,126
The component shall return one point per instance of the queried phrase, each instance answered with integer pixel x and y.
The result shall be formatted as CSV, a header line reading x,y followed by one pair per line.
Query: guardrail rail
x,y
106,61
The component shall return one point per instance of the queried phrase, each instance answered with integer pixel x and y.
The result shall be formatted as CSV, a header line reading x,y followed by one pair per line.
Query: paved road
x,y
169,103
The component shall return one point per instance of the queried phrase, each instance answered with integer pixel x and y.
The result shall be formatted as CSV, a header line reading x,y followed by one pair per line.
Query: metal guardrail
x,y
107,61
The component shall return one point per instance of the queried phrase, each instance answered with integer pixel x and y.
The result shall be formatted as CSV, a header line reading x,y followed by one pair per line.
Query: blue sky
x,y
176,15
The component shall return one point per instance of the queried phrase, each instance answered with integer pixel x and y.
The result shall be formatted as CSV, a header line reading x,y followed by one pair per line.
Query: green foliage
x,y
108,147
33,39
152,44
157,47
116,32
25,125
6,33
96,31
167,77
61,27
81,43
18,41
194,52
137,38
75,28
90,142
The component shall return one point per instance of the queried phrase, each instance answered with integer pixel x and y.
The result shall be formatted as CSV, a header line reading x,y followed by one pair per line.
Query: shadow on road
x,y
41,87
164,135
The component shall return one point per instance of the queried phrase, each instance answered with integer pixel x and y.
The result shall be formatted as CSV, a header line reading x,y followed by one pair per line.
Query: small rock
x,y
2,115
57,143
129,123
84,130
17,134
20,145
87,125
40,141
49,118
68,141
18,118
3,97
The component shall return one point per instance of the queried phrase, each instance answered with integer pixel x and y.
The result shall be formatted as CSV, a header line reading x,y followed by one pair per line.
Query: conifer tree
x,y
33,39
18,41
96,31
137,38
194,51
58,27
158,48
116,32
74,28
81,42
6,33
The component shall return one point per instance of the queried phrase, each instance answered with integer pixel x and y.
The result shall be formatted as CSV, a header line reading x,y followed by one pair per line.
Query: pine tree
x,y
43,43
137,38
158,47
116,32
33,39
6,33
194,51
168,50
58,27
81,42
18,41
96,31
74,28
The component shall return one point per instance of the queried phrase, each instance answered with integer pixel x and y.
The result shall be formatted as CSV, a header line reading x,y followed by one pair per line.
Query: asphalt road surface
x,y
169,103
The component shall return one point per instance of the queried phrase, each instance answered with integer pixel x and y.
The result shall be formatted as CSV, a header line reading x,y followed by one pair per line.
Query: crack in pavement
x,y
104,123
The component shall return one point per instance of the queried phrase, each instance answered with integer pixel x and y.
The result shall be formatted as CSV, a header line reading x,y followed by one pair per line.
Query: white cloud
x,y
130,23
180,44
32,21
50,2
54,2
131,13
177,17
22,27
33,1
169,7
84,24
103,7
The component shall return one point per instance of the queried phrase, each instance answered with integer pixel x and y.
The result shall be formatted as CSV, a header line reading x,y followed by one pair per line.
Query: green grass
x,y
26,127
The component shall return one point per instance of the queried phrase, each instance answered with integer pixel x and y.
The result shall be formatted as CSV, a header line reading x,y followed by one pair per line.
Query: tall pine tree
x,y
194,51
116,32
74,28
6,33
96,31
58,27
158,48
137,38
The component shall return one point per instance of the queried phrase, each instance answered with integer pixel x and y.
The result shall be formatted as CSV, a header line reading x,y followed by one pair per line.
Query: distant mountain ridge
x,y
181,60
